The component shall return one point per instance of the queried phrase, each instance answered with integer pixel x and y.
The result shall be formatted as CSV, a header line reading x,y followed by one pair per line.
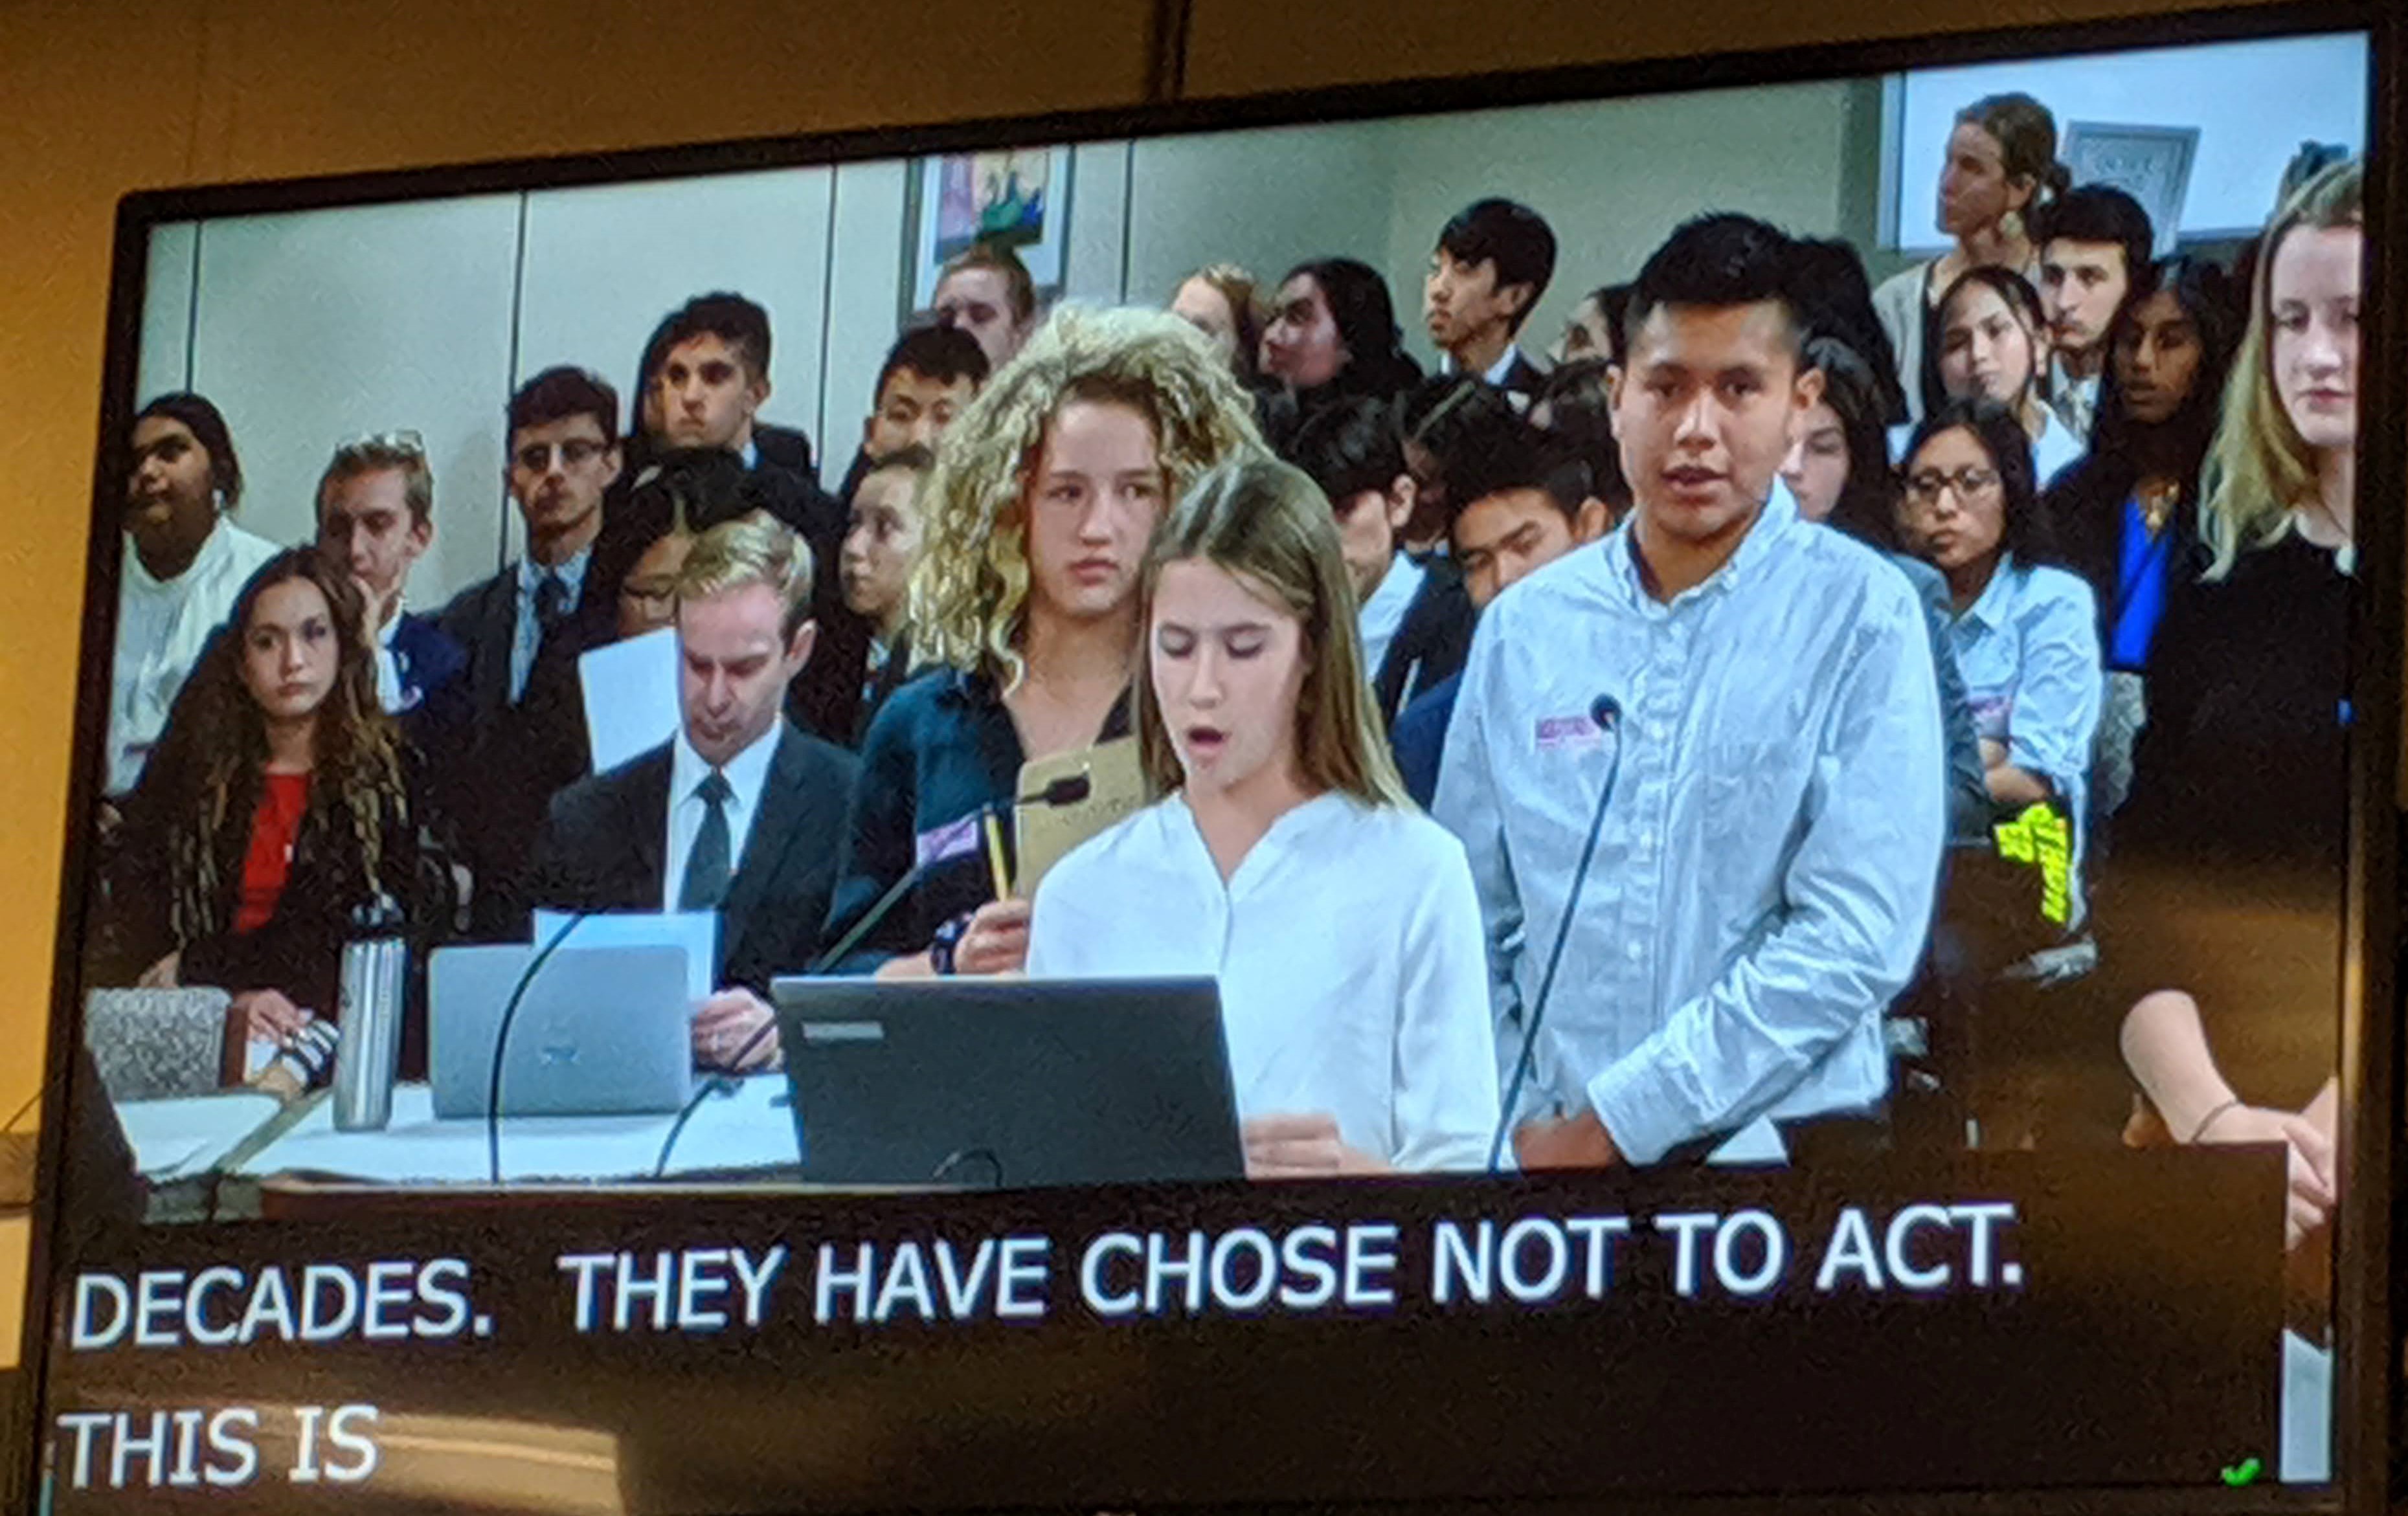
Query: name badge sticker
x,y
1568,733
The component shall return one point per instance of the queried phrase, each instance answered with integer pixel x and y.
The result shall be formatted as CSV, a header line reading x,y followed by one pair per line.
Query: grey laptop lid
x,y
600,1031
1009,1082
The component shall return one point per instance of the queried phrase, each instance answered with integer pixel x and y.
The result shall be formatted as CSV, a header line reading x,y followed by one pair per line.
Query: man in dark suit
x,y
523,630
706,378
1491,265
739,813
376,518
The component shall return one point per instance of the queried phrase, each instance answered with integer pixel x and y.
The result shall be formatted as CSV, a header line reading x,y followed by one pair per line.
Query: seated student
x,y
376,518
705,391
2025,632
881,548
1524,503
1840,304
647,591
2123,515
1024,601
1358,1051
1219,300
1575,411
2094,248
986,292
739,813
1838,471
1490,268
931,376
1999,175
1992,345
1435,417
1595,329
1414,619
183,564
1762,882
1332,337
523,630
279,801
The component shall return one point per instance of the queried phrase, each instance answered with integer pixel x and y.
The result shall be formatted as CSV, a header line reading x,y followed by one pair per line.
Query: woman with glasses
x,y
2026,634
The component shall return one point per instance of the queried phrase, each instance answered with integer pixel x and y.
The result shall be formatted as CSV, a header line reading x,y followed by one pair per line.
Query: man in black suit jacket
x,y
1491,265
739,813
523,630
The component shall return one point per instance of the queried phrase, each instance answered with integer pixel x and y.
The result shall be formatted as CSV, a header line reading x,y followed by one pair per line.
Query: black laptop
x,y
1006,1083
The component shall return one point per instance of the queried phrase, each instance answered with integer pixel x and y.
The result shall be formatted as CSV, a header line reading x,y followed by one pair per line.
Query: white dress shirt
x,y
1347,948
2074,400
2054,450
161,626
1763,882
1383,614
388,665
745,773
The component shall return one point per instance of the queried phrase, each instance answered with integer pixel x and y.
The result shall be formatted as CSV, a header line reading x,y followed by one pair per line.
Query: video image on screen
x,y
1702,738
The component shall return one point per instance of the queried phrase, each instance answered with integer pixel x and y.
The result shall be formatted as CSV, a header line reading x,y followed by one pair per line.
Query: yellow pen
x,y
995,858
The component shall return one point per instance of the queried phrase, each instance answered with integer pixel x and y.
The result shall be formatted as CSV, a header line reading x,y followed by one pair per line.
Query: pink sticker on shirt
x,y
950,840
1557,732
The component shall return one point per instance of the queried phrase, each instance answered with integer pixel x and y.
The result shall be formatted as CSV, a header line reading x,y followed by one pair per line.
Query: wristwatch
x,y
948,939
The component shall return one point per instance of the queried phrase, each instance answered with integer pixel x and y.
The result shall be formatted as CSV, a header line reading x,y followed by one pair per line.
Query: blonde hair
x,y
754,548
402,452
1267,523
2260,469
969,602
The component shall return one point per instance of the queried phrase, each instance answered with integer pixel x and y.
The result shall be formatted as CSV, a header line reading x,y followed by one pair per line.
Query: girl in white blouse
x,y
1284,859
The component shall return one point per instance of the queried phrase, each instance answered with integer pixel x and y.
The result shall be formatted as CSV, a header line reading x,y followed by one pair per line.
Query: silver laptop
x,y
599,1031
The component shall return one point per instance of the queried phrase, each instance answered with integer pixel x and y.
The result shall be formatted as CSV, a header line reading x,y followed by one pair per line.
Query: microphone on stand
x,y
877,912
1605,711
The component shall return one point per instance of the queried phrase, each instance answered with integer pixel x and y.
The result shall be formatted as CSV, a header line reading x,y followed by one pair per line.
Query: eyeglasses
x,y
536,457
1924,488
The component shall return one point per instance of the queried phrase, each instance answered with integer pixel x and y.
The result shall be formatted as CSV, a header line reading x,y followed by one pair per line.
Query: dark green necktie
x,y
707,867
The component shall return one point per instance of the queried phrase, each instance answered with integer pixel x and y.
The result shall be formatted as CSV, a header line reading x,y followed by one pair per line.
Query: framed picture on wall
x,y
1013,197
2151,163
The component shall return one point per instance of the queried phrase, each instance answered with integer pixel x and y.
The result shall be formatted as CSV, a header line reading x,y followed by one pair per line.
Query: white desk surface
x,y
751,1129
191,1134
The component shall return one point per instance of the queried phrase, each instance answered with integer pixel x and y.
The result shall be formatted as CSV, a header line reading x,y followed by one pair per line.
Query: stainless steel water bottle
x,y
376,979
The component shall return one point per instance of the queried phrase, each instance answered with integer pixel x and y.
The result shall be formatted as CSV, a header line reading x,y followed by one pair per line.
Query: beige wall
x,y
103,100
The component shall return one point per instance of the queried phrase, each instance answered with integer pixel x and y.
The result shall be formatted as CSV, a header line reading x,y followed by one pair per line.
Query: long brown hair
x,y
204,779
1268,523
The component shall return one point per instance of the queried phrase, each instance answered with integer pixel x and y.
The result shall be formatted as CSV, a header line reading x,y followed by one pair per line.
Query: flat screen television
x,y
1718,738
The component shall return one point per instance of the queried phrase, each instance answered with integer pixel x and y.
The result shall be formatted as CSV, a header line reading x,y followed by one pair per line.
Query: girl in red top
x,y
276,804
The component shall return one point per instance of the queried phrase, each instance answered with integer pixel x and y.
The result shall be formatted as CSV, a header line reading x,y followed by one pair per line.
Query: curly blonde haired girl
x,y
1024,614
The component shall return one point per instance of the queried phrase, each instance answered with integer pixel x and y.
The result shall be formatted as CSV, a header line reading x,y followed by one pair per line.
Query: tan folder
x,y
1064,800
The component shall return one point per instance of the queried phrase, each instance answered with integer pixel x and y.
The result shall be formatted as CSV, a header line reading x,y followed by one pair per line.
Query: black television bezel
x,y
2368,1389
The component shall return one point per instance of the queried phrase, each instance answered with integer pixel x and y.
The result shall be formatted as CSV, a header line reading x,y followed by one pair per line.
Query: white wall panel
x,y
319,325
